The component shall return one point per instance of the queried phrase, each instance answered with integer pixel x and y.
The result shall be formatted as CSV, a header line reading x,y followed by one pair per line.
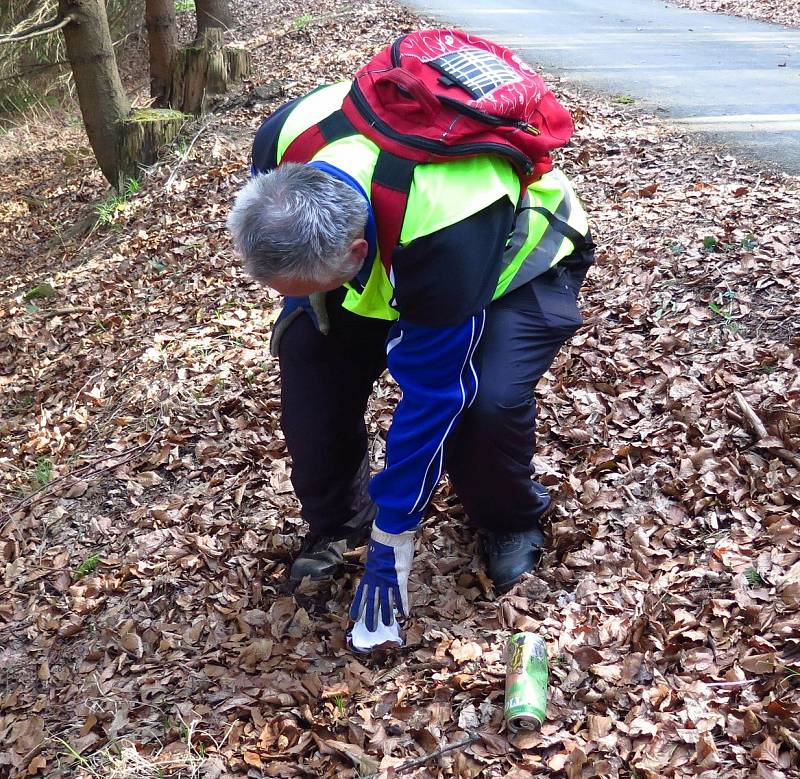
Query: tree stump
x,y
238,62
144,133
204,70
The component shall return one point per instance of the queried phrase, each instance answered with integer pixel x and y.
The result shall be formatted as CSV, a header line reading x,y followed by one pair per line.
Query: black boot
x,y
510,555
322,556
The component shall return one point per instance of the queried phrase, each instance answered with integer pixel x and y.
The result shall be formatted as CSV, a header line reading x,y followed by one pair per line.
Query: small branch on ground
x,y
418,761
758,427
185,155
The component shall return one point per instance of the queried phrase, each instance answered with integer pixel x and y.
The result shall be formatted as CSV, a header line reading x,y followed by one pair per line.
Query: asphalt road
x,y
734,79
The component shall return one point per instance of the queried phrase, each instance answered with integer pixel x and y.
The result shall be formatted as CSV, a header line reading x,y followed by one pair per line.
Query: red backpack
x,y
438,95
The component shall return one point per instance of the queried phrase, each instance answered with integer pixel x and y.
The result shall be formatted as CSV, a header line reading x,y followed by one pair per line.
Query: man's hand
x,y
383,590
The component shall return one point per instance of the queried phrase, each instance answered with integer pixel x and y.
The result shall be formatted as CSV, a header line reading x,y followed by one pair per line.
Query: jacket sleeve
x,y
435,370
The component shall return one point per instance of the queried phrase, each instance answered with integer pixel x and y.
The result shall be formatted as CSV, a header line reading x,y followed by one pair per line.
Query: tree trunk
x,y
212,13
102,99
162,37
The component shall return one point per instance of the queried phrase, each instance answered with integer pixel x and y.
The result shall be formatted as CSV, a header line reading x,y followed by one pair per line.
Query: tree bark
x,y
104,105
197,76
162,37
212,13
238,62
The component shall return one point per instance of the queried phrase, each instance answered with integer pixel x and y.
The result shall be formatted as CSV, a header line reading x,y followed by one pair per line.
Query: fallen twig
x,y
418,761
758,427
260,41
185,154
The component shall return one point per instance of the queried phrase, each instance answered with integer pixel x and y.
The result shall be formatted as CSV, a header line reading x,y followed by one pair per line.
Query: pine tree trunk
x,y
104,105
212,13
162,37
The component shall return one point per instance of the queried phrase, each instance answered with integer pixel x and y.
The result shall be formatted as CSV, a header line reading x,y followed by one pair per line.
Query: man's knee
x,y
498,407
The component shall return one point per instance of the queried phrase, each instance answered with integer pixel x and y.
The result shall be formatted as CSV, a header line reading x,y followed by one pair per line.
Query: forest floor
x,y
146,625
786,12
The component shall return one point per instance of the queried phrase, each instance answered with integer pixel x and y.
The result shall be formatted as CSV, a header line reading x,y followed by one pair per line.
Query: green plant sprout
x,y
302,21
43,471
753,577
86,567
107,210
726,313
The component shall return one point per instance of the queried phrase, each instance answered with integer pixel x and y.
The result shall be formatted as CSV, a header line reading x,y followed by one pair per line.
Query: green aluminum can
x,y
526,682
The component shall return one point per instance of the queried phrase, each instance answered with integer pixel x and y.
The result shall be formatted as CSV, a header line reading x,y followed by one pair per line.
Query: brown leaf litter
x,y
785,12
146,624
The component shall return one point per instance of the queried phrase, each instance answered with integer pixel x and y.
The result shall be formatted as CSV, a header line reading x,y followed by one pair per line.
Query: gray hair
x,y
296,222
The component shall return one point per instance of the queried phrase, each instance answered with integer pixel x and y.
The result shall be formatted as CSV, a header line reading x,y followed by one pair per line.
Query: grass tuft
x,y
115,203
121,760
302,21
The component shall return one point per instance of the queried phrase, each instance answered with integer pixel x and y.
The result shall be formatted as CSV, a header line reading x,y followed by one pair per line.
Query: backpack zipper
x,y
396,50
439,147
490,119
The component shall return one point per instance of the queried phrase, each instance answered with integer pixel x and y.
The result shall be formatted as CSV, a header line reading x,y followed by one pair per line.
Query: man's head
x,y
299,230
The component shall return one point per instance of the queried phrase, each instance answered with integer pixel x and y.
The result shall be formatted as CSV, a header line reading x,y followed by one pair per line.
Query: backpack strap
x,y
579,241
391,185
391,179
310,141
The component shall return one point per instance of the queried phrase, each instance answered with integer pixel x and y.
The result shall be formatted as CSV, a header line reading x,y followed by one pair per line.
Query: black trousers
x,y
326,381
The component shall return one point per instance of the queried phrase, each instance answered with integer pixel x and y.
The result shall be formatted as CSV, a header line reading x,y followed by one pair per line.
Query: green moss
x,y
41,291
155,115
